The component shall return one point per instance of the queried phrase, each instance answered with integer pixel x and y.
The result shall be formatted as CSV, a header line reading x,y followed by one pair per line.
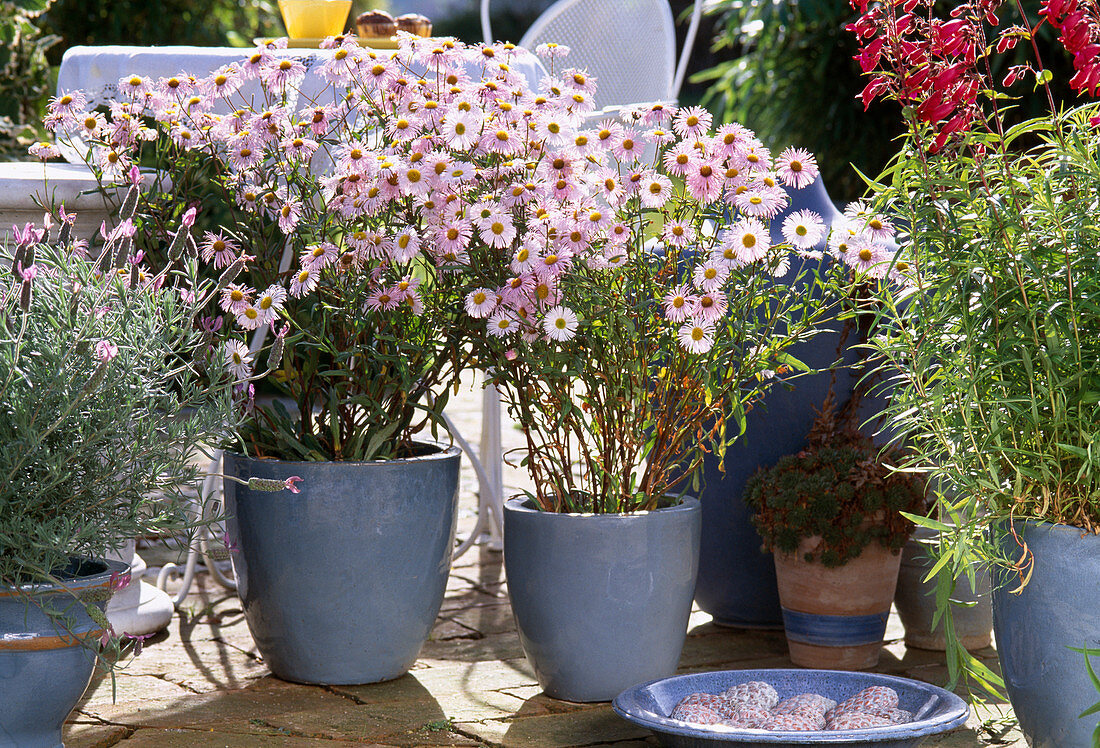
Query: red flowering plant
x,y
992,351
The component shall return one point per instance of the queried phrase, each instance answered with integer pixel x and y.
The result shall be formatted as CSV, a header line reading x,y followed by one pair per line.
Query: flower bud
x,y
129,204
96,379
230,273
266,484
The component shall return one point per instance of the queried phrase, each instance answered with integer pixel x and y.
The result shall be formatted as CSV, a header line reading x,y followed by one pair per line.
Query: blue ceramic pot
x,y
44,668
342,582
1059,608
736,578
601,601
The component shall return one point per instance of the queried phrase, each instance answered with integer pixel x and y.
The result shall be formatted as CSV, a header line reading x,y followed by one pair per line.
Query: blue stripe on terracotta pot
x,y
834,631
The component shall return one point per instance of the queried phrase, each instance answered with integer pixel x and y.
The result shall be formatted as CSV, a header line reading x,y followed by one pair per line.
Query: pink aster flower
x,y
655,191
280,74
501,324
44,151
382,300
693,122
249,318
304,282
711,275
219,249
678,159
803,229
696,337
678,233
405,245
480,303
235,297
238,359
560,323
747,241
709,307
797,167
678,304
705,181
760,201
289,213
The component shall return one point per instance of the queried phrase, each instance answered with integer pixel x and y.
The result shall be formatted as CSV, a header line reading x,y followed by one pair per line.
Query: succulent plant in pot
x,y
107,386
833,516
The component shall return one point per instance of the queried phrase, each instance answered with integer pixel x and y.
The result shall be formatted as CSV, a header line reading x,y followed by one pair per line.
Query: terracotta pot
x,y
835,618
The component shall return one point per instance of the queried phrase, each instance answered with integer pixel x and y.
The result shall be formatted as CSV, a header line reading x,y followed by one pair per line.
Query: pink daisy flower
x,y
678,159
560,324
304,282
235,297
501,324
678,304
678,233
219,249
761,201
693,122
238,359
656,190
710,276
709,307
803,229
747,240
705,181
696,337
480,303
382,300
797,167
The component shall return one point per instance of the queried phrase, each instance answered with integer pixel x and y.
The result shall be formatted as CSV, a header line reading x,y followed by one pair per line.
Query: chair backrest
x,y
629,46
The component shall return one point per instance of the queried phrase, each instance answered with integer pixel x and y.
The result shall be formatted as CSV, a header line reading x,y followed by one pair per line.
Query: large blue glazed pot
x,y
341,583
44,667
601,601
736,578
1048,683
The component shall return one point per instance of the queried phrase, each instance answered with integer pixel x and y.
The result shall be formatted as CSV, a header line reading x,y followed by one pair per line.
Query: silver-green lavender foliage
x,y
94,443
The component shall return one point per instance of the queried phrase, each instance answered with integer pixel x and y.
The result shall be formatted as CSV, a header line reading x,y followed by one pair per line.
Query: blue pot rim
x,y
523,505
446,451
955,716
76,584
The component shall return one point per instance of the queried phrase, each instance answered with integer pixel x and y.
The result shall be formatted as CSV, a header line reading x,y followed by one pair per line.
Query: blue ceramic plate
x,y
648,705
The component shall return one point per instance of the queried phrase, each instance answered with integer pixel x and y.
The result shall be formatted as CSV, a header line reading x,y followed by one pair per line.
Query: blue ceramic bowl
x,y
935,709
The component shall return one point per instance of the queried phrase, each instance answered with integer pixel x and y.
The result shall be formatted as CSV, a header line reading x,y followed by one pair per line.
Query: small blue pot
x,y
341,583
601,601
44,668
649,705
1059,608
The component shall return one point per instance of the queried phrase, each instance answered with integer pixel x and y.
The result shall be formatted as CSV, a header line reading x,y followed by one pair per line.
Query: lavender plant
x,y
107,388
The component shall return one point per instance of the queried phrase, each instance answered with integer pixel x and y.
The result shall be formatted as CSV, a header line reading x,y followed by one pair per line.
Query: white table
x,y
97,70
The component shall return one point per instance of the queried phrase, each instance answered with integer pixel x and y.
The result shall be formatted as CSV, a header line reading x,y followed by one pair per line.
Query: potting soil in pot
x,y
756,705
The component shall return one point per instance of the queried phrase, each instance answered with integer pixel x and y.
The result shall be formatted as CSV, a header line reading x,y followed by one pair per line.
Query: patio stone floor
x,y
202,682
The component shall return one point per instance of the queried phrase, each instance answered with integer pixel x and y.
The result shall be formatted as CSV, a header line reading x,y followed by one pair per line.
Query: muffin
x,y
376,24
414,23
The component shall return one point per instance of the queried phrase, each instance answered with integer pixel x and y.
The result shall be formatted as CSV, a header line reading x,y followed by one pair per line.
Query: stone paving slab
x,y
203,683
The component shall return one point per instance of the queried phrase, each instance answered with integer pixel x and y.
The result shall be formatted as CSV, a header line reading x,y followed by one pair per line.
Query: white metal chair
x,y
629,46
